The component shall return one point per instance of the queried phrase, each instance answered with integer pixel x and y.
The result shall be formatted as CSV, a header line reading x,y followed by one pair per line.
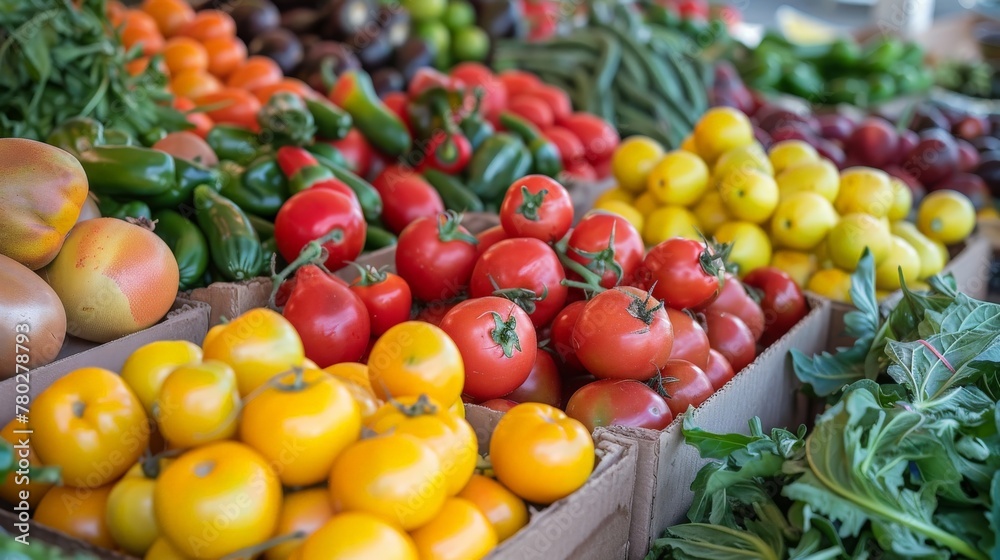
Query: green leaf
x,y
903,321
994,513
717,446
710,542
826,374
864,321
930,368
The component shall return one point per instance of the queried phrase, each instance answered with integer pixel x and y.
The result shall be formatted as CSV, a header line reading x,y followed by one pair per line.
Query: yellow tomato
x,y
711,212
932,260
12,486
902,200
355,377
946,216
451,438
213,333
358,536
146,368
749,195
721,129
848,239
457,408
130,516
751,249
396,477
258,345
788,153
305,511
300,424
617,194
78,512
163,550
459,532
505,511
800,266
633,160
667,222
198,404
831,283
819,176
865,190
541,454
903,259
688,144
802,221
217,499
416,358
646,203
624,210
91,425
680,178
742,159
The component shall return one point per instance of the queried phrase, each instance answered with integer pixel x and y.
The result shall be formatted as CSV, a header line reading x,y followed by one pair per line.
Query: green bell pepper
x,y
882,55
286,116
881,87
261,189
111,208
77,135
234,143
853,91
188,244
117,137
128,171
189,175
804,81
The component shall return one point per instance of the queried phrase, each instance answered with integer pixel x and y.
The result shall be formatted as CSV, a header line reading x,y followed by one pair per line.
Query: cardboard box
x,y
232,299
584,193
667,466
970,264
187,320
590,524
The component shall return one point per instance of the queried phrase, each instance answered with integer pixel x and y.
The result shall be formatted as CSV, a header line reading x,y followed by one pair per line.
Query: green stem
x,y
589,277
312,253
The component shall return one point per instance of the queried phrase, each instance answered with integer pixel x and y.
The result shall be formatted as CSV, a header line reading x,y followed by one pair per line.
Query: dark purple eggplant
x,y
308,40
280,45
339,56
346,18
372,48
413,55
500,19
395,23
301,21
387,80
254,17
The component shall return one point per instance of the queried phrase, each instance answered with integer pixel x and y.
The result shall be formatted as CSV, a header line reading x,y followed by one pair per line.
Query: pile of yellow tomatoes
x,y
786,207
241,447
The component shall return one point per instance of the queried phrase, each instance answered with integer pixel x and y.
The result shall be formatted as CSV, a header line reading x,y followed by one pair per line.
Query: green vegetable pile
x,y
59,61
13,550
976,79
905,462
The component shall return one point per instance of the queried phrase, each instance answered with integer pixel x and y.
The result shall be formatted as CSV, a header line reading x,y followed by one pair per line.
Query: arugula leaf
x,y
717,446
711,542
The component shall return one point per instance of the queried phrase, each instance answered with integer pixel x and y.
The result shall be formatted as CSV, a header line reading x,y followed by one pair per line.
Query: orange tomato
x,y
306,511
225,54
459,532
183,54
505,511
241,107
116,13
170,15
194,84
290,85
78,512
13,485
209,24
256,72
202,122
140,27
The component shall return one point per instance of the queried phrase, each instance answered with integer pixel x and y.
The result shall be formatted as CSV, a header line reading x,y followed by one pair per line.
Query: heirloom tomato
x,y
459,531
436,255
684,273
608,245
506,512
78,512
130,516
415,358
198,404
526,271
690,340
303,511
685,384
147,367
358,535
619,402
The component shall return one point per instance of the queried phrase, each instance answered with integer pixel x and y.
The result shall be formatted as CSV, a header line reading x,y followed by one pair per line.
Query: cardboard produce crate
x,y
667,466
584,193
187,320
970,264
590,524
231,299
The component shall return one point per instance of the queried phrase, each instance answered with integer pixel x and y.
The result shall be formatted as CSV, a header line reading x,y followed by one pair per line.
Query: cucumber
x,y
455,195
378,238
233,242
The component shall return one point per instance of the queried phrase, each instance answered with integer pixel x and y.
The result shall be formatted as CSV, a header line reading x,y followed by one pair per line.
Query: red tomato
x,y
781,299
598,137
490,237
356,150
499,405
718,370
331,320
732,338
619,402
518,81
561,337
232,106
690,340
386,296
733,298
202,122
543,384
682,272
497,342
693,9
339,187
536,206
532,109
556,99
406,196
623,333
526,271
315,213
581,171
436,257
397,102
435,311
608,245
685,385
476,75
570,148
603,168
543,17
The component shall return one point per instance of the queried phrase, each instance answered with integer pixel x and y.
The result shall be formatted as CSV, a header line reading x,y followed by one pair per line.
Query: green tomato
x,y
425,10
470,44
459,14
439,38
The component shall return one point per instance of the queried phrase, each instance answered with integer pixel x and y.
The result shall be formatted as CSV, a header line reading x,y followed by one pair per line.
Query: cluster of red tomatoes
x,y
581,317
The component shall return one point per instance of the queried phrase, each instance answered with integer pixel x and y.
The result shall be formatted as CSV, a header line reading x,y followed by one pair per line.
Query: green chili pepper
x,y
77,135
848,90
881,87
234,143
490,163
804,81
188,244
332,122
118,137
189,175
288,119
844,54
264,228
328,155
261,190
883,55
111,208
152,136
128,170
545,155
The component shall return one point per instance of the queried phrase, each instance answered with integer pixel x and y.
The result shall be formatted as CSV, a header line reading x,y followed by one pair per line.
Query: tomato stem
x,y
422,407
591,281
252,551
368,275
312,253
504,334
532,203
449,224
